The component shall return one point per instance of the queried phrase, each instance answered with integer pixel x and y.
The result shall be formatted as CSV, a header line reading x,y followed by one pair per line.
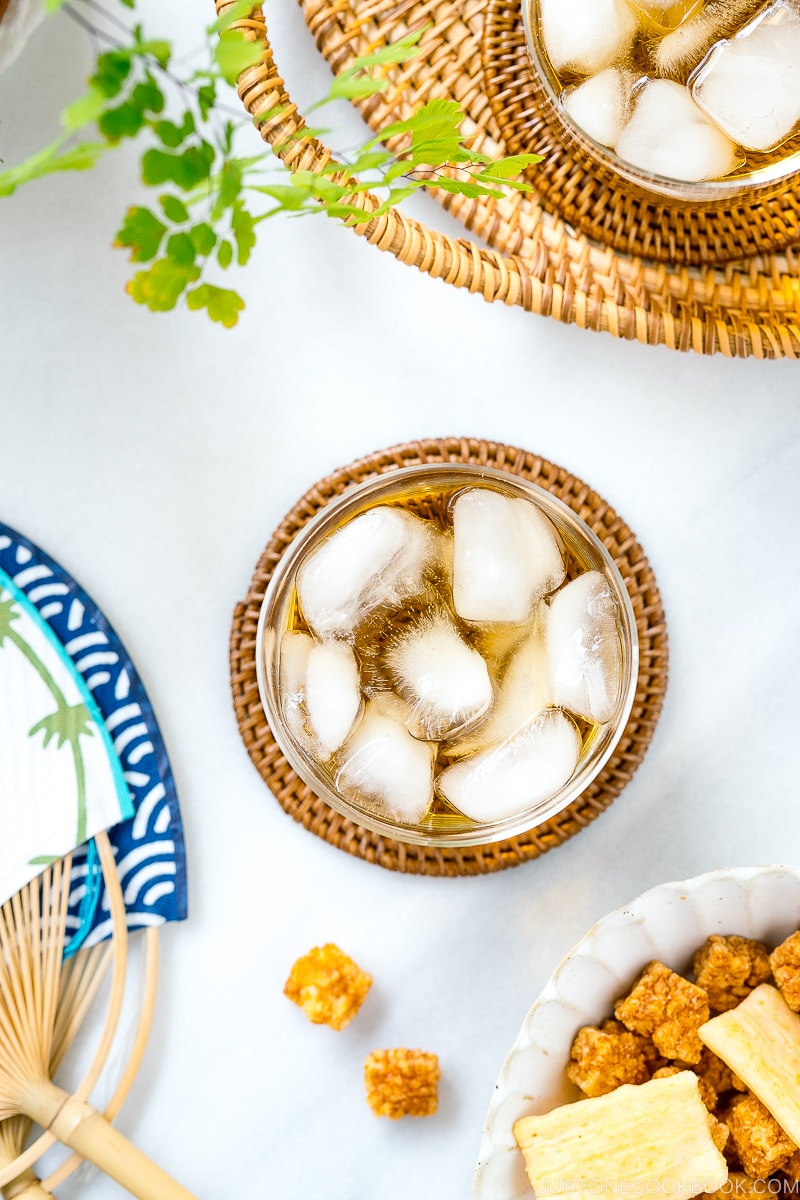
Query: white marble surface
x,y
154,455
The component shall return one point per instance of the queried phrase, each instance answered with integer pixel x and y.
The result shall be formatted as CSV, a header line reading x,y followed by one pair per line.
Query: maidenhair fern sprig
x,y
209,199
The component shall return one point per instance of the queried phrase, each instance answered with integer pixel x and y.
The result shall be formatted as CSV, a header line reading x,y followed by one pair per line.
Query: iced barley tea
x,y
692,91
449,656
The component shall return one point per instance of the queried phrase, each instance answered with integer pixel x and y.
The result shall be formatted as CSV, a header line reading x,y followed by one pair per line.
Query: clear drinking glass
x,y
419,489
761,177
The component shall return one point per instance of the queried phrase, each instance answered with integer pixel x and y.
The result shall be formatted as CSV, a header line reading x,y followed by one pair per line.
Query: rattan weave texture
x,y
298,800
577,184
525,254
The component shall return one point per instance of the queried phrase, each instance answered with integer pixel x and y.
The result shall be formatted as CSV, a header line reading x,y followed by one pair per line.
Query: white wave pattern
x,y
148,871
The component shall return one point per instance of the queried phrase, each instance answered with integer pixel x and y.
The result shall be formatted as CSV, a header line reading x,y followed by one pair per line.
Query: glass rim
x,y
698,191
284,572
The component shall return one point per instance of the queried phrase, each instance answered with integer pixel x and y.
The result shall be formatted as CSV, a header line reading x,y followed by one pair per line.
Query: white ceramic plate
x,y
667,923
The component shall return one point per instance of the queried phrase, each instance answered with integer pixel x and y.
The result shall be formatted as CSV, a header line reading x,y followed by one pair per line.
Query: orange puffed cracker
x,y
604,1058
785,960
717,1074
402,1083
792,1168
328,986
667,1008
761,1144
729,968
739,1186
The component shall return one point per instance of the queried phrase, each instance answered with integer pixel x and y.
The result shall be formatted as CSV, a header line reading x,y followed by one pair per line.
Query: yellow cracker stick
x,y
639,1140
760,1041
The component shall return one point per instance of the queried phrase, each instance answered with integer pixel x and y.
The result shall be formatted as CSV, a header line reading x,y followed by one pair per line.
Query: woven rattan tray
x,y
577,183
297,799
525,254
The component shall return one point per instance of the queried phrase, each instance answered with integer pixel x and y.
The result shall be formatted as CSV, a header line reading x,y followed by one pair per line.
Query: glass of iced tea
x,y
694,99
447,655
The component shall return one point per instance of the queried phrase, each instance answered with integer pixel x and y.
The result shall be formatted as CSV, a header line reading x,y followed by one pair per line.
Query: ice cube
x,y
380,557
295,650
444,680
389,704
505,556
677,54
584,652
523,691
750,86
383,767
333,695
518,774
669,135
585,35
599,105
320,694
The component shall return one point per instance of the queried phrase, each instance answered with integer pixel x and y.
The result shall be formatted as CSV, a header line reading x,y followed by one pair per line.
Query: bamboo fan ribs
x,y
32,939
81,977
15,954
79,981
33,1035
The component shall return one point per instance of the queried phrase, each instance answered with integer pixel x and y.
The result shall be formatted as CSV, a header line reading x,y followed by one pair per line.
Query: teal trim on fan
x,y
90,901
124,799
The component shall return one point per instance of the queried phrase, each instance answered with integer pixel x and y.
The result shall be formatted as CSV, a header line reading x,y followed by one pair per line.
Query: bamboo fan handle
x,y
26,1187
456,261
83,1129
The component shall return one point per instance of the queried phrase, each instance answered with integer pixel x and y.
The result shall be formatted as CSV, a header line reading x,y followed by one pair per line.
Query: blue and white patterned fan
x,y
149,846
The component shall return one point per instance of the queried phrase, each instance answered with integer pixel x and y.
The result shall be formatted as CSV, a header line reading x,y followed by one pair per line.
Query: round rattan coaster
x,y
298,800
593,199
522,252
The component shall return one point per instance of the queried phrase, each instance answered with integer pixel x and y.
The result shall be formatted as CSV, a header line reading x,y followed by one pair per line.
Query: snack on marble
x,y
669,1009
760,1041
328,986
402,1083
728,968
604,1058
785,963
655,1133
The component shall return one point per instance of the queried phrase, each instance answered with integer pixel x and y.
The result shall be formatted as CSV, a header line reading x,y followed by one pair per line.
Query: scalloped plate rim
x,y
582,949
